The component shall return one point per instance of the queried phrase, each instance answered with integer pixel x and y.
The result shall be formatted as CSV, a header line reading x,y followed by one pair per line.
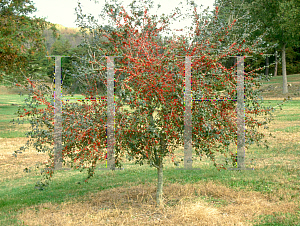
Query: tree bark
x,y
267,66
276,64
159,192
284,76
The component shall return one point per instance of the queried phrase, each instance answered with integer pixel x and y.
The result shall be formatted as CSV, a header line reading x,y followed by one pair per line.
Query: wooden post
x,y
110,113
110,123
240,110
240,113
58,114
188,161
188,149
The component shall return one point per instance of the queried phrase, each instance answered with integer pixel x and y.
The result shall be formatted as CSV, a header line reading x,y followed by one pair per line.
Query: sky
x,y
63,11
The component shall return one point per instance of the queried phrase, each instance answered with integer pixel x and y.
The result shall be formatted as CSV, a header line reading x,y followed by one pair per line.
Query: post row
x,y
187,119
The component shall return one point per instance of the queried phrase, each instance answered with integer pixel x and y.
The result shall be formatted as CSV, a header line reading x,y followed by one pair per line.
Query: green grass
x,y
289,110
64,187
275,220
278,79
289,129
9,105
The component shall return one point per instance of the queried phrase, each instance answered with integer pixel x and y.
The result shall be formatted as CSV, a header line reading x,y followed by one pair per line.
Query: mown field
x,y
267,195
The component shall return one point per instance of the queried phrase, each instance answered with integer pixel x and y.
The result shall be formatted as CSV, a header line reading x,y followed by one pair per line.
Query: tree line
x,y
25,41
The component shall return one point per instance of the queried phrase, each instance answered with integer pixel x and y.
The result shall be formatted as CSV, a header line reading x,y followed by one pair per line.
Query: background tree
x,y
77,51
270,20
62,47
65,33
246,28
22,47
281,21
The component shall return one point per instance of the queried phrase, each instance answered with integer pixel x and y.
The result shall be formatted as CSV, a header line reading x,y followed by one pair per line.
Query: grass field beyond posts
x,y
267,195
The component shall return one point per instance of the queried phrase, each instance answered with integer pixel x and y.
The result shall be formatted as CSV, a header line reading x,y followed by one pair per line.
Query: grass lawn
x,y
267,195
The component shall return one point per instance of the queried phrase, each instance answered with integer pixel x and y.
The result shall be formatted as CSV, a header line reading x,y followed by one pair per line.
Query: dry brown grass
x,y
12,167
135,205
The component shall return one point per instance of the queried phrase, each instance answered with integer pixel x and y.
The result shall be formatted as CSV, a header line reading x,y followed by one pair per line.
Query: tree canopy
x,y
277,23
22,45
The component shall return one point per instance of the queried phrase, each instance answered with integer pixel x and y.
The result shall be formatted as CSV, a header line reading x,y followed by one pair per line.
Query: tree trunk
x,y
276,64
285,88
159,192
267,66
